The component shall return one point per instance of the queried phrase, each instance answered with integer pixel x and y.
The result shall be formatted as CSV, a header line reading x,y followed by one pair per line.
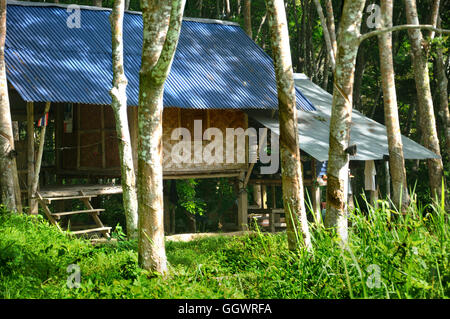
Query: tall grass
x,y
388,255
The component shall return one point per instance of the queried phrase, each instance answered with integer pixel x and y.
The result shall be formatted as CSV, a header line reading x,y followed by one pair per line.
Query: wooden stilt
x,y
315,194
242,204
264,196
272,214
30,157
37,168
166,214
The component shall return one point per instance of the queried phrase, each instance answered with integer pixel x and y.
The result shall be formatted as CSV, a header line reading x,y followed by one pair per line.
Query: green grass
x,y
388,256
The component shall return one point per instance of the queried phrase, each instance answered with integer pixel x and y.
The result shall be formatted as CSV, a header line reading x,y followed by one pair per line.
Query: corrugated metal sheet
x,y
216,65
368,135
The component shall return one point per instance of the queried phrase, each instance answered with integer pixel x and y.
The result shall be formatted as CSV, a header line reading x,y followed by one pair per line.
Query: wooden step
x,y
58,215
48,200
91,230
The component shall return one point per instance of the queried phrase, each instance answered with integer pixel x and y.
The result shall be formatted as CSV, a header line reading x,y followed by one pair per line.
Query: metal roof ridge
x,y
93,8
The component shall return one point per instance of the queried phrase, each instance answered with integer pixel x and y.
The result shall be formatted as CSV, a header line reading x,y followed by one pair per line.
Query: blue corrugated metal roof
x,y
216,65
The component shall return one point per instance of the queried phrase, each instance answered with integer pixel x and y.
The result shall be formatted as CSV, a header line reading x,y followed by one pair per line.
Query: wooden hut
x,y
219,76
218,72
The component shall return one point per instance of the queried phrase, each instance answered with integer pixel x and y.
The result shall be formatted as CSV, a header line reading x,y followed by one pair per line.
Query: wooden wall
x,y
92,145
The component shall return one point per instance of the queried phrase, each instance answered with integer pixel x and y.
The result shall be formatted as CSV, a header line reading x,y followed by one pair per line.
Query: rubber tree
x,y
119,105
9,192
248,17
425,101
396,159
162,23
291,171
341,117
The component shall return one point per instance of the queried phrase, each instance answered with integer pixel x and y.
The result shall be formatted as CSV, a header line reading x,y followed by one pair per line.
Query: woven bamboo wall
x,y
93,143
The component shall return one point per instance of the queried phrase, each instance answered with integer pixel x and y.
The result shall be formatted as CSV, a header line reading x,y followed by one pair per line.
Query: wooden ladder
x,y
93,212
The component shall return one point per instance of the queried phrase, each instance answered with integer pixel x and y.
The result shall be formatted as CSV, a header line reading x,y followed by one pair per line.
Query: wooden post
x,y
242,204
37,168
315,194
166,214
388,178
78,135
103,136
132,124
18,195
272,214
30,157
263,196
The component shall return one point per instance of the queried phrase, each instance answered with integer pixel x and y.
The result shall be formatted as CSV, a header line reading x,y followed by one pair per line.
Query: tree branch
x,y
402,27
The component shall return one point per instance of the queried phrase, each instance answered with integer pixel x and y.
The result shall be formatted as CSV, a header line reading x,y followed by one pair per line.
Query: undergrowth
x,y
388,255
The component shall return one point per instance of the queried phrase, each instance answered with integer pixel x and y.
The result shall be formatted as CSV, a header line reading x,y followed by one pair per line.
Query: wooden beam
x,y
78,135
37,168
30,157
133,127
315,194
103,136
242,204
263,196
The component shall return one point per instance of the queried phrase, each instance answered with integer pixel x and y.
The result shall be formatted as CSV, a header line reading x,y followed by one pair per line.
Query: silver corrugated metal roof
x,y
368,135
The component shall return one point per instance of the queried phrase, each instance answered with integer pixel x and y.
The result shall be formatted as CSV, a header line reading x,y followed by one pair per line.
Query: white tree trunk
x,y
291,173
396,158
443,95
427,118
7,161
162,24
119,106
341,117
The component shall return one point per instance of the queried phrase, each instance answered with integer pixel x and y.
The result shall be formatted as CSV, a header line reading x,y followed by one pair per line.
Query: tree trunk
x,y
7,187
248,18
162,24
119,106
341,116
428,122
98,3
396,159
331,25
326,33
291,173
443,95
228,8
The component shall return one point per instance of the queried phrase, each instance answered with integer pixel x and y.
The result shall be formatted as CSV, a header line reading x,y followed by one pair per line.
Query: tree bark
x,y
98,3
331,25
396,159
326,33
162,24
291,172
119,106
248,18
227,8
341,116
443,95
425,102
7,167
